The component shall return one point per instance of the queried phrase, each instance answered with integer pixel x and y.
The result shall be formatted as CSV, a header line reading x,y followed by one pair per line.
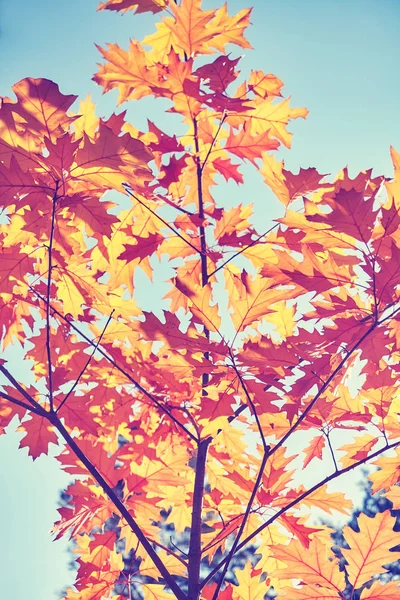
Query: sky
x,y
339,58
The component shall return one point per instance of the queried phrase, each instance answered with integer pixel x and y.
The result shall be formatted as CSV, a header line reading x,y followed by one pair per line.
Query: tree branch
x,y
50,266
20,403
194,555
331,450
296,501
39,409
251,403
224,115
253,243
168,225
324,386
87,363
120,369
201,458
242,525
169,580
256,484
182,560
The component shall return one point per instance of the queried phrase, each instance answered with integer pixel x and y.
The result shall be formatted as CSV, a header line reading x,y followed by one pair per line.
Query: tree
x,y
269,344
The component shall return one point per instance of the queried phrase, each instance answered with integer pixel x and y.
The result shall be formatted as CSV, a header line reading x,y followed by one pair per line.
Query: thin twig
x,y
224,115
326,433
168,225
87,362
177,547
182,560
22,391
48,329
19,403
251,403
253,243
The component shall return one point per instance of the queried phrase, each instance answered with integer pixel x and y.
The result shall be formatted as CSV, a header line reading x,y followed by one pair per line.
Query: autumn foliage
x,y
277,351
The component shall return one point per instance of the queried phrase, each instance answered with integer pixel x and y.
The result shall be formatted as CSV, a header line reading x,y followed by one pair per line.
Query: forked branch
x,y
129,377
84,368
53,418
294,503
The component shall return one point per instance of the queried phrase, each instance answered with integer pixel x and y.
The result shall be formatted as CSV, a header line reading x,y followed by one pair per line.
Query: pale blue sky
x,y
339,58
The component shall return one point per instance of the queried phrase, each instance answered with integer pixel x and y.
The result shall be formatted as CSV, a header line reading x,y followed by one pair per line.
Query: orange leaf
x,y
381,591
317,566
314,449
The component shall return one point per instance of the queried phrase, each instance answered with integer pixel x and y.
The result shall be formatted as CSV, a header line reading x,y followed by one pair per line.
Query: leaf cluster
x,y
207,418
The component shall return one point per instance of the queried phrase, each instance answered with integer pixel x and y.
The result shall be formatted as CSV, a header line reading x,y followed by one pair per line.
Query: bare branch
x,y
328,439
242,526
251,403
182,560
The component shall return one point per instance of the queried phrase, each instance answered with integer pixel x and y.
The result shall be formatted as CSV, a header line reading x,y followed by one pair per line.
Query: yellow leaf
x,y
250,587
87,121
126,71
394,496
283,319
381,591
370,547
153,591
316,566
329,501
174,566
388,473
358,449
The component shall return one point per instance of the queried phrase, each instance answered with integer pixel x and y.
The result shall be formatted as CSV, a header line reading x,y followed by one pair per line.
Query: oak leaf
x,y
370,547
38,435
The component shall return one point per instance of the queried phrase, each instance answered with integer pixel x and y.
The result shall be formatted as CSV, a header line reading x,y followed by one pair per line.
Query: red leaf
x,y
39,434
